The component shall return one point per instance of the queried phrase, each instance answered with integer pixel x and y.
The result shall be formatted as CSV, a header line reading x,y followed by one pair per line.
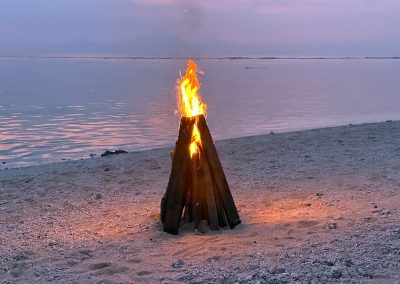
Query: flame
x,y
190,103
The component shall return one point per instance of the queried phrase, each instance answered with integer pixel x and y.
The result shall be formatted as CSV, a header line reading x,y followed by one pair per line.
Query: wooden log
x,y
174,199
217,172
205,184
220,209
197,198
188,215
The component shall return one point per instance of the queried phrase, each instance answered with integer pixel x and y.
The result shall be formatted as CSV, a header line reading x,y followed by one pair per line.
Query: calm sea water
x,y
55,109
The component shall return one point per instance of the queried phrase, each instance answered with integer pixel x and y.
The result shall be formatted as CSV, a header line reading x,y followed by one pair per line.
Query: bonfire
x,y
197,190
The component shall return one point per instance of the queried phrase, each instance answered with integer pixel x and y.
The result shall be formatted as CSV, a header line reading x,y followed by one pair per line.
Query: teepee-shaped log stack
x,y
197,188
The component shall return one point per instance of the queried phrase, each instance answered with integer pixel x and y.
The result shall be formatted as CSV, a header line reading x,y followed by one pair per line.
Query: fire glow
x,y
190,103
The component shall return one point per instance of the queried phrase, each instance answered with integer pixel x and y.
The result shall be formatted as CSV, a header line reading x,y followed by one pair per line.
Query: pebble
x,y
86,252
178,264
336,273
278,270
20,257
332,226
72,262
348,262
364,273
329,263
100,265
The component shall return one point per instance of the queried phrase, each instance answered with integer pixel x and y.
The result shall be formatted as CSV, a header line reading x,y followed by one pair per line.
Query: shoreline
x,y
318,205
5,167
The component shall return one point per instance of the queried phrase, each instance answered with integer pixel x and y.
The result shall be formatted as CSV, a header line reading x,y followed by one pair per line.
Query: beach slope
x,y
316,206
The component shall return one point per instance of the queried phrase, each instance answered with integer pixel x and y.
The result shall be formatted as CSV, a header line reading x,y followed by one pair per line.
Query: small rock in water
x,y
107,169
178,264
92,155
3,163
319,194
116,152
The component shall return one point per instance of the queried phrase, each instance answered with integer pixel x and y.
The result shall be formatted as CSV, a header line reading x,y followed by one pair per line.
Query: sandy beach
x,y
317,206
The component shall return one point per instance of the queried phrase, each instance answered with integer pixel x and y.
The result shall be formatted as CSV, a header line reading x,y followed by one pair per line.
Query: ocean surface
x,y
65,109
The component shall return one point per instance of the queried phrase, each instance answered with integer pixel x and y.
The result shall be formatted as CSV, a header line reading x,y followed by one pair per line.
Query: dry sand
x,y
317,206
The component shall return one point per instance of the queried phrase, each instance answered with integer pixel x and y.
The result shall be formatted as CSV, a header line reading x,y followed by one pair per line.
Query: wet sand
x,y
317,206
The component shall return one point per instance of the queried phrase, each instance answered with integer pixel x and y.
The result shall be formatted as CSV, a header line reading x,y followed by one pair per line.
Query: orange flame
x,y
189,102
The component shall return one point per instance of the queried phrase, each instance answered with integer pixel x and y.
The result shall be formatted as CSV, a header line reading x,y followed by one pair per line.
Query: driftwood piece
x,y
218,174
174,199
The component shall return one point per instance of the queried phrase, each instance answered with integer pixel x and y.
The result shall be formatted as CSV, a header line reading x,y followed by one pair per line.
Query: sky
x,y
200,28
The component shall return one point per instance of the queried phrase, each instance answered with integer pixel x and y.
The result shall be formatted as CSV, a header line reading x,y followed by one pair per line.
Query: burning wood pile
x,y
197,188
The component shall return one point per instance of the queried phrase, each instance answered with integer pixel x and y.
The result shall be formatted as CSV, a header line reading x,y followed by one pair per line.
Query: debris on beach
x,y
116,152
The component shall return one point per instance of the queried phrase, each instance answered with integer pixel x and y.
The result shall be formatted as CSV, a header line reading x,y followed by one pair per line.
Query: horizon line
x,y
196,57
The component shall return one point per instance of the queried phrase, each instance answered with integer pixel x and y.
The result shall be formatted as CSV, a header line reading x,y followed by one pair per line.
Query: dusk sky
x,y
200,28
